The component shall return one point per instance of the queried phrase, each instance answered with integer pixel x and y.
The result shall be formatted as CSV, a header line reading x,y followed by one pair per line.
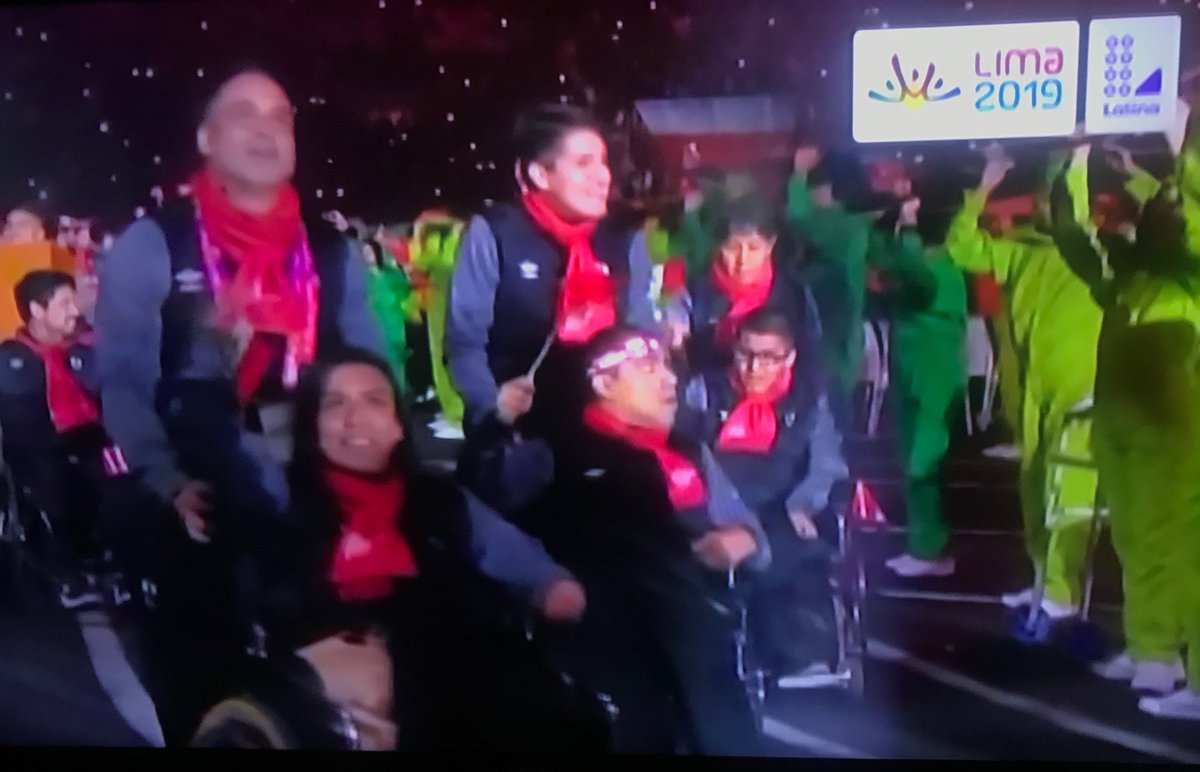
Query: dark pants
x,y
65,480
669,668
790,605
205,592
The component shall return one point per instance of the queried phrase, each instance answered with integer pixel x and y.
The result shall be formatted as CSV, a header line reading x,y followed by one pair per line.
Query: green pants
x,y
925,420
443,385
1147,443
1010,377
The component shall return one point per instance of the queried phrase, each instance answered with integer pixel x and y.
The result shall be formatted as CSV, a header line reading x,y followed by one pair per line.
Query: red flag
x,y
864,508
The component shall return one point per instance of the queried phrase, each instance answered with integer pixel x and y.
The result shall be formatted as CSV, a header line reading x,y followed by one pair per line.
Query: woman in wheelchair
x,y
370,586
768,421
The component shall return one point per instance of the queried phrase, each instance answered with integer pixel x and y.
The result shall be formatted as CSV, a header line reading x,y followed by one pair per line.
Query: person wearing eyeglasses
x,y
929,297
768,421
649,524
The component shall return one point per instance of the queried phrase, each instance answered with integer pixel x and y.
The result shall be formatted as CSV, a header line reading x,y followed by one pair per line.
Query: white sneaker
x,y
1119,668
1058,611
908,567
1003,452
1158,677
1015,600
1184,704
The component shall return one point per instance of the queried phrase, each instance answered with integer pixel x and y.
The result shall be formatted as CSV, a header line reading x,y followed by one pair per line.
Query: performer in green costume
x,y
929,295
1055,324
1147,428
394,304
434,249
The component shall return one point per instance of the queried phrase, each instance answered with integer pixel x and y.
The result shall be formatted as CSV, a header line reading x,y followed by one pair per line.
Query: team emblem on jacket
x,y
76,363
789,419
190,281
529,270
16,363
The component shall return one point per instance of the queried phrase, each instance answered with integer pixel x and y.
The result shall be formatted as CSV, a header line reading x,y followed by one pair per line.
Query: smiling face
x,y
761,360
577,180
249,134
58,319
358,427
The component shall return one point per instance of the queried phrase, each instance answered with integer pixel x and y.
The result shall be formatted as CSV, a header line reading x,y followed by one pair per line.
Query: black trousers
x,y
669,668
66,480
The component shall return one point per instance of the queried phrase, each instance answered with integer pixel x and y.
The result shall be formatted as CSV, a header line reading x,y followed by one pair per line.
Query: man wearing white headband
x,y
650,524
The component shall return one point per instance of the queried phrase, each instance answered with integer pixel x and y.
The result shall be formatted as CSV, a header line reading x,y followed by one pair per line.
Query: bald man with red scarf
x,y
207,314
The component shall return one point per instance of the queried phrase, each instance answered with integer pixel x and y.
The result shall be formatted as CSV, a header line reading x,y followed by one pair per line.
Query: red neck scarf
x,y
586,303
371,552
745,294
685,485
752,425
268,290
70,405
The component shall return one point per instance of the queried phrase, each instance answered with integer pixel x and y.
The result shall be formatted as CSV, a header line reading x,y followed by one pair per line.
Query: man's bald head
x,y
247,133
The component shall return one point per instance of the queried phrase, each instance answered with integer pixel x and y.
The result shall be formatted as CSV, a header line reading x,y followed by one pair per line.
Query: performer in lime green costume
x,y
1055,325
1147,428
434,250
929,374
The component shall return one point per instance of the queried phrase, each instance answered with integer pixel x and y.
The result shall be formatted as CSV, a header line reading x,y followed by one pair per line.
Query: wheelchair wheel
x,y
243,723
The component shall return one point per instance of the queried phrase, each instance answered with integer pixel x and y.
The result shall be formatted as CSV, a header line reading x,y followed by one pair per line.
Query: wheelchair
x,y
1033,625
848,591
24,532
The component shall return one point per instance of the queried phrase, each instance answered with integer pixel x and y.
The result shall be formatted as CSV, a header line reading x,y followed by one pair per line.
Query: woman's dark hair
x,y
307,459
538,132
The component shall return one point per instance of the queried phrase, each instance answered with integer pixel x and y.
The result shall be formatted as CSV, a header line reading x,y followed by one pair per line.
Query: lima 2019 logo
x,y
908,93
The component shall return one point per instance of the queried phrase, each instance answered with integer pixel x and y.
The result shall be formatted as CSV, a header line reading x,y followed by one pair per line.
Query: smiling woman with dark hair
x,y
368,578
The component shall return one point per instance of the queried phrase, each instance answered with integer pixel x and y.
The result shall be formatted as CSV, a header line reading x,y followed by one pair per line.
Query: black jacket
x,y
24,409
453,537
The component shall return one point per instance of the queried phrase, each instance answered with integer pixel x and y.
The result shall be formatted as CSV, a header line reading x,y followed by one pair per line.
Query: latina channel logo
x,y
1119,58
905,91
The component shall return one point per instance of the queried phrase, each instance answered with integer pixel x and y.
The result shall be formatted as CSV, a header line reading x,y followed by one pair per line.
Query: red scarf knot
x,y
587,300
752,425
69,403
685,484
372,551
261,271
746,294
674,277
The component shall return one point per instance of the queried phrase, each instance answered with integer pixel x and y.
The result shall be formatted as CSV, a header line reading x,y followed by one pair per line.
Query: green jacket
x,y
836,274
391,298
930,322
1055,319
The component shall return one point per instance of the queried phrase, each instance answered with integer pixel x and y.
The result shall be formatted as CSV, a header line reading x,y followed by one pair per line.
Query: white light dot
x,y
43,195
919,158
87,92
620,24
383,3
563,98
391,143
503,23
417,3
199,72
44,37
32,182
467,82
449,117
479,167
104,127
87,65
885,25
653,5
562,78
970,6
441,69
616,38
204,25
437,192
320,193
771,22
452,159
340,193
158,160
20,32
824,72
7,96
492,165
472,146
741,64
113,178
404,137
140,212
136,72
149,72
329,160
